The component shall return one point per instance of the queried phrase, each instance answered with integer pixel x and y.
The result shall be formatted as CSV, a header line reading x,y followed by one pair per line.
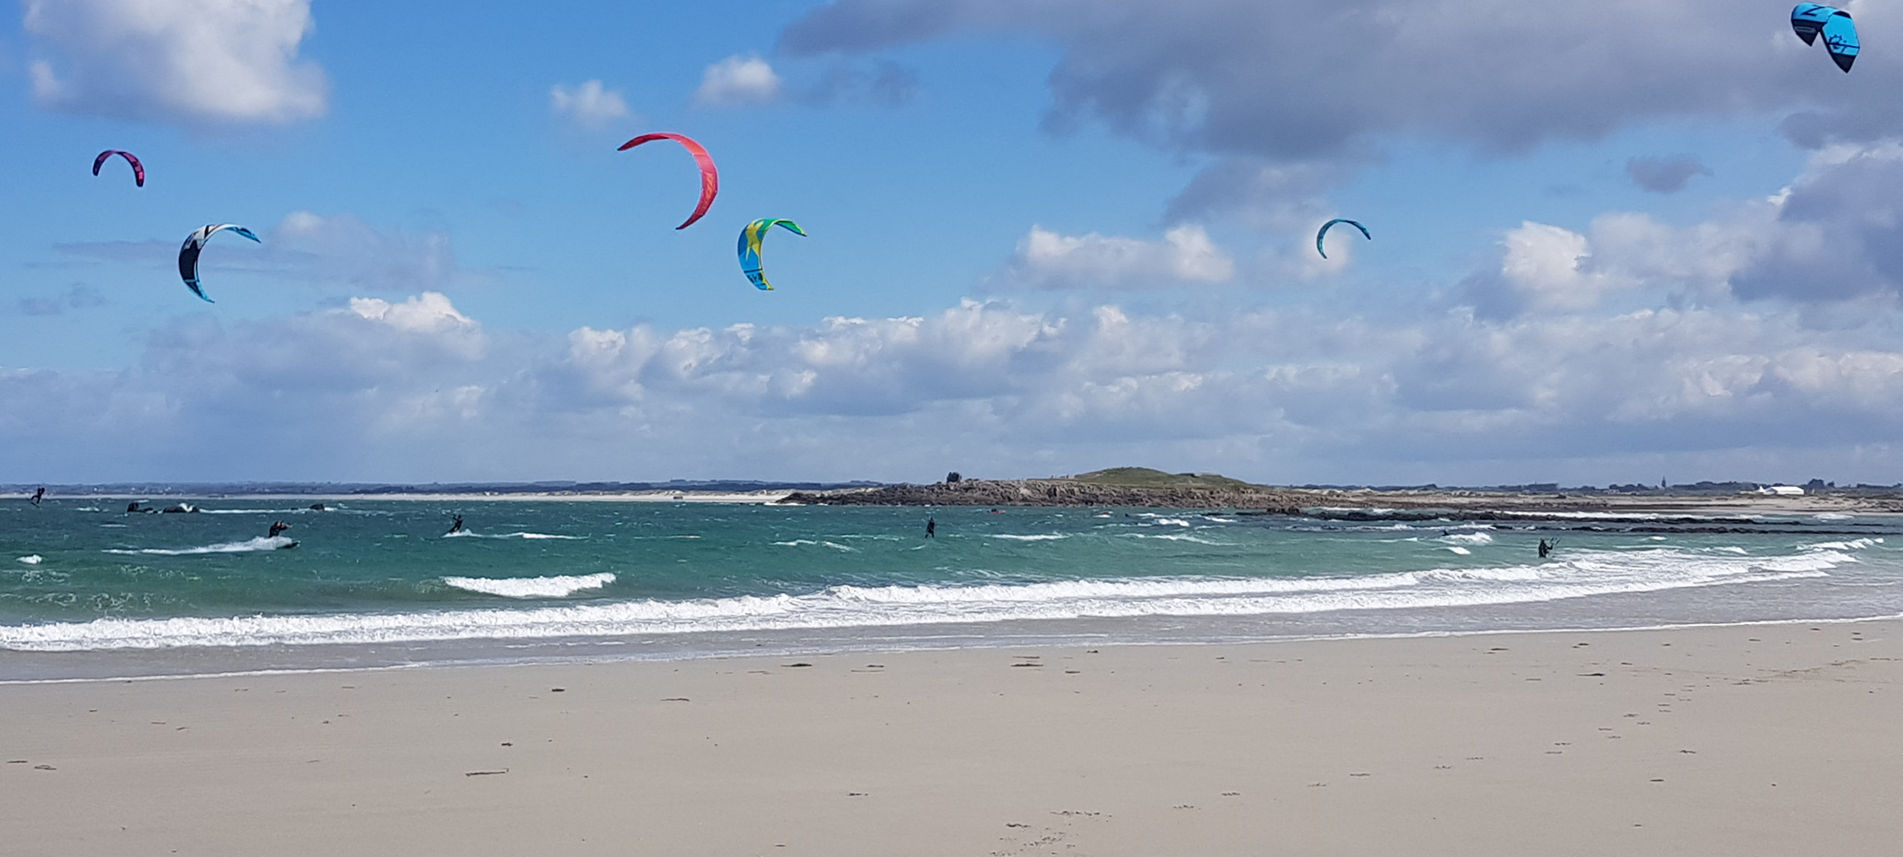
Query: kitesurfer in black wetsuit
x,y
931,528
278,527
39,494
457,526
1545,548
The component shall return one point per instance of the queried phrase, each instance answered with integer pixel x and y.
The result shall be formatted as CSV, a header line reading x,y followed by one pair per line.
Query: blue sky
x,y
1043,238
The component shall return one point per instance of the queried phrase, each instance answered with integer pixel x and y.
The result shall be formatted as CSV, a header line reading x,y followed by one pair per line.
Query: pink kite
x,y
709,177
138,169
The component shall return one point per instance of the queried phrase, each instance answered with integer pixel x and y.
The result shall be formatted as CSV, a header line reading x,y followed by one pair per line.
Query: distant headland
x,y
1142,486
1117,486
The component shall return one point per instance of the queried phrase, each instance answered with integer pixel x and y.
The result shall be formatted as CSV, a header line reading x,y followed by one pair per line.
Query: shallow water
x,y
88,590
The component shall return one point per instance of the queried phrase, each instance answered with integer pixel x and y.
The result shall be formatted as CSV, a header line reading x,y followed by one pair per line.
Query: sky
x,y
1613,241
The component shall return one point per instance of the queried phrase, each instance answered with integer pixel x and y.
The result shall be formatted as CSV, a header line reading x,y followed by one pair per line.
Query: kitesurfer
x,y
456,526
931,527
1545,548
37,495
278,527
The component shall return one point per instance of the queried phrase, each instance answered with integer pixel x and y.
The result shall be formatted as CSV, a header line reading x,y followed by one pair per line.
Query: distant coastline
x,y
1453,502
1125,486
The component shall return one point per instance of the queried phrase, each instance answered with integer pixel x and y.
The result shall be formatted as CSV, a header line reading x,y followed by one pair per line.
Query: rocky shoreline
x,y
1291,501
1062,492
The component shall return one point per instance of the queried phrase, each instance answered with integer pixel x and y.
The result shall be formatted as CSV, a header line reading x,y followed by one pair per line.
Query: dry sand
x,y
1774,739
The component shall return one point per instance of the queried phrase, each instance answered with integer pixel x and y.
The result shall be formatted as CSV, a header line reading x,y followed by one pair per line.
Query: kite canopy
x,y
750,239
194,244
1809,20
709,177
1840,38
138,169
1324,231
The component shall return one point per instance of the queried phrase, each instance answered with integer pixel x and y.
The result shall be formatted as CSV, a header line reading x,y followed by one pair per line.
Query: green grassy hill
x,y
1144,477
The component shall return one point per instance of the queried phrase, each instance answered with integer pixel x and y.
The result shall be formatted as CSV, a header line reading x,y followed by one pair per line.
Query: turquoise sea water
x,y
87,589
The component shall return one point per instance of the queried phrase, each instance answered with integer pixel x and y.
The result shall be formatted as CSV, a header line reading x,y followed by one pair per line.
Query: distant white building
x,y
1781,490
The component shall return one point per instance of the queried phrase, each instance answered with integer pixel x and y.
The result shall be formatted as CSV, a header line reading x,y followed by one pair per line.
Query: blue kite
x,y
1324,231
750,240
1809,20
195,244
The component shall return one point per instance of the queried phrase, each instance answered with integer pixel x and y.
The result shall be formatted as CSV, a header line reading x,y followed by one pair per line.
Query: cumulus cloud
x,y
589,104
1185,255
1551,267
1265,193
417,389
1667,174
738,80
175,60
1832,240
1838,231
1244,78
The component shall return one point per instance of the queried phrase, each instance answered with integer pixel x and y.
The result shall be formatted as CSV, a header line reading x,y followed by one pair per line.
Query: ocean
x,y
88,590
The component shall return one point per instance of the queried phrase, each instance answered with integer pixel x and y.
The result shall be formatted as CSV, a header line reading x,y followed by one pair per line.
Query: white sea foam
x,y
1177,537
532,587
1852,545
1038,537
817,543
1170,522
1583,573
32,559
1459,550
261,543
1468,538
471,534
1833,516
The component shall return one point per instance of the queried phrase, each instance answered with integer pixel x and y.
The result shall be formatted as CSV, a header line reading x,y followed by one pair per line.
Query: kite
x,y
1808,20
750,239
138,169
709,177
194,244
1324,231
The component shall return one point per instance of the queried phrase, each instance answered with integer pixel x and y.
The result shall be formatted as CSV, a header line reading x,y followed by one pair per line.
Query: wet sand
x,y
1704,741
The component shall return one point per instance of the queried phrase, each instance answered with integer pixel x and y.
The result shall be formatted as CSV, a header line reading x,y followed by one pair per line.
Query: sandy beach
x,y
1720,740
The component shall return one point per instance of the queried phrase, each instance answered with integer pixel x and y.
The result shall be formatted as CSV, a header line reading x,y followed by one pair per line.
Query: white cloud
x,y
1549,266
738,80
1215,75
589,104
429,312
1185,255
417,389
1832,240
175,60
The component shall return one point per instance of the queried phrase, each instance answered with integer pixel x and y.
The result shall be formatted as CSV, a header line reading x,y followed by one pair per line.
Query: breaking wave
x,y
532,587
1583,573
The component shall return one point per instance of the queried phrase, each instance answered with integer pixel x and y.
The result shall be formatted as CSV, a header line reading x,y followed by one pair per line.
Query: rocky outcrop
x,y
1062,492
